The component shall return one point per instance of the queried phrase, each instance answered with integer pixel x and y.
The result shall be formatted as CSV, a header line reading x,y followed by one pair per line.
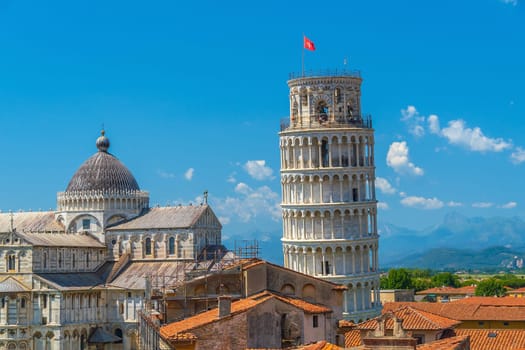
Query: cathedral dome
x,y
103,172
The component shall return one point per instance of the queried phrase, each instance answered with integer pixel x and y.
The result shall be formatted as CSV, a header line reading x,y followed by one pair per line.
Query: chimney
x,y
225,306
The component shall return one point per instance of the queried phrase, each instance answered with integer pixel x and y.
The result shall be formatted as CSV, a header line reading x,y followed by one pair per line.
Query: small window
x,y
44,301
86,224
505,323
129,294
11,262
44,258
121,308
171,246
60,260
23,303
73,260
355,195
148,246
420,338
481,323
315,321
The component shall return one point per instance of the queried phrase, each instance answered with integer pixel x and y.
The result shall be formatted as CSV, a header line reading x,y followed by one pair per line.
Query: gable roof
x,y
170,331
251,263
164,218
41,221
10,285
494,339
413,319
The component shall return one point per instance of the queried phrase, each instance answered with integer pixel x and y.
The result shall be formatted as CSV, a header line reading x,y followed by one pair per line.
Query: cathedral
x,y
78,277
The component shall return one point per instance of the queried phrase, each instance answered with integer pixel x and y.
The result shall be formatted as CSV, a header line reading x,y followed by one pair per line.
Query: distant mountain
x,y
455,233
462,259
458,241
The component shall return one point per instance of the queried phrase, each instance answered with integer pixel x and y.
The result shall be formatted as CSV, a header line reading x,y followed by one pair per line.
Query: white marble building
x,y
329,205
76,278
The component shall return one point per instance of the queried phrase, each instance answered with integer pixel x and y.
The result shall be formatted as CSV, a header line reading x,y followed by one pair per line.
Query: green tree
x,y
421,284
397,279
469,282
446,279
490,287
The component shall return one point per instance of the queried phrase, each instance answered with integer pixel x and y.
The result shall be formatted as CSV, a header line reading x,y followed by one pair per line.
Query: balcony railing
x,y
325,73
360,121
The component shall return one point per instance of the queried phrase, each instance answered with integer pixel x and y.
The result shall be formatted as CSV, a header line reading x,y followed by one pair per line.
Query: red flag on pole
x,y
309,44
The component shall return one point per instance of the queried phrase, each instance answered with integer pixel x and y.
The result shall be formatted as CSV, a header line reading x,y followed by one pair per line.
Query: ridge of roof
x,y
170,331
336,286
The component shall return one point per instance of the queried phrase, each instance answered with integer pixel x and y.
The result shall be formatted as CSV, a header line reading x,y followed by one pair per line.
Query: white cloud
x,y
165,174
518,156
188,175
251,203
231,178
258,170
384,186
422,203
433,124
482,205
510,2
382,205
453,204
509,205
473,139
397,159
413,120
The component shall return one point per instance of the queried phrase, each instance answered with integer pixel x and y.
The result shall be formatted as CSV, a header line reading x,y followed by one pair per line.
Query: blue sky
x,y
191,95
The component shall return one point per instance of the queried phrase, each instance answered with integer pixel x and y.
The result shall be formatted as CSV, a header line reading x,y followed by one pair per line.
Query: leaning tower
x,y
329,205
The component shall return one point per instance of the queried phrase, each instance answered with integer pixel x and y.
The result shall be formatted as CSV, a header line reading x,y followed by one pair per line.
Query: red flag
x,y
309,44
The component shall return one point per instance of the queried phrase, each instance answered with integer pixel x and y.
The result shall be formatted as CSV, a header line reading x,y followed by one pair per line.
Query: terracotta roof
x,y
320,345
453,343
164,218
413,319
353,338
465,311
170,330
518,290
493,301
468,290
345,323
42,221
494,339
183,337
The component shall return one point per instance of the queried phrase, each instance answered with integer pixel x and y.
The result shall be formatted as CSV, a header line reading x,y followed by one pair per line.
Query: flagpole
x,y
302,60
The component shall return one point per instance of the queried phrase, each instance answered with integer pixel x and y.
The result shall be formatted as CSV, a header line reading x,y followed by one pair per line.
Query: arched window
x,y
148,246
171,246
118,333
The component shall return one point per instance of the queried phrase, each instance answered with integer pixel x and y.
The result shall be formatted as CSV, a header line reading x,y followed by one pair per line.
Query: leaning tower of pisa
x,y
328,204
